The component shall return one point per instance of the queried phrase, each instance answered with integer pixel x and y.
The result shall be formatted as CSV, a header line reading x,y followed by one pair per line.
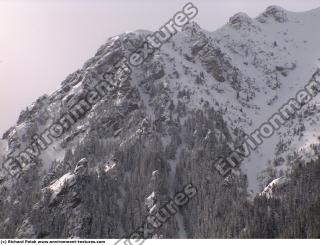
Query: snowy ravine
x,y
172,175
190,102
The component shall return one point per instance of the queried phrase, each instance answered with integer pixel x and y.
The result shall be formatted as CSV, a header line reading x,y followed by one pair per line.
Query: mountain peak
x,y
103,159
274,12
239,20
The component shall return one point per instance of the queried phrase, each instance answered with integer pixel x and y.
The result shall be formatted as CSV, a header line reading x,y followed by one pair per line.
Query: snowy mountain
x,y
162,128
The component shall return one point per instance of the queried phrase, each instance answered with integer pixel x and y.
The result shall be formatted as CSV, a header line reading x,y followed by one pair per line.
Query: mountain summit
x,y
118,160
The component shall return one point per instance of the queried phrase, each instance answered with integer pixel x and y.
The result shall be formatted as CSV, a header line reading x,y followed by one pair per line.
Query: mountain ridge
x,y
192,101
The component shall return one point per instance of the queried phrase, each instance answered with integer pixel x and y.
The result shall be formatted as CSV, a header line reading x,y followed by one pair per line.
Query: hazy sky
x,y
42,41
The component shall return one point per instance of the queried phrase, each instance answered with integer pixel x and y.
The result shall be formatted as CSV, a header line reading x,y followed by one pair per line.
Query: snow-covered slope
x,y
186,105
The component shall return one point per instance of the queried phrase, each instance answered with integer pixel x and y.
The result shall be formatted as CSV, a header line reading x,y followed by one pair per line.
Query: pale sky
x,y
42,41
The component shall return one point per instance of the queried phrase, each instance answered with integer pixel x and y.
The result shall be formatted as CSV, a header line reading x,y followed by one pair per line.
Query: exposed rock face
x,y
161,127
276,13
241,20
